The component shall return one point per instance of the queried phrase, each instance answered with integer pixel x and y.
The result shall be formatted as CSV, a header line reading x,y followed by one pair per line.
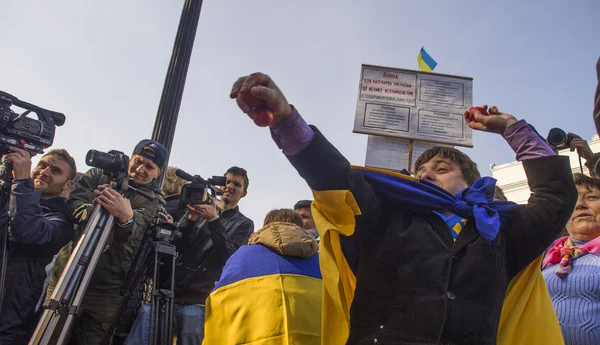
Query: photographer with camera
x,y
210,237
38,230
560,140
133,213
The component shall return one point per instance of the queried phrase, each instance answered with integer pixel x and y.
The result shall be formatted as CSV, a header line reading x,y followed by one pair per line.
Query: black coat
x,y
203,250
173,208
414,284
39,228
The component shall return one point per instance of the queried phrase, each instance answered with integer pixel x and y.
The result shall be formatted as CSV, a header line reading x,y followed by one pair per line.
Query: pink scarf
x,y
563,252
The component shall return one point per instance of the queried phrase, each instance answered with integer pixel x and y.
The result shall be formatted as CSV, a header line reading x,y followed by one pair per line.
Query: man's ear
x,y
244,193
68,185
158,173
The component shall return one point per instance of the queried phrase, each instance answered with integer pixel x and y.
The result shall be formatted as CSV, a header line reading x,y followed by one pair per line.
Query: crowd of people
x,y
378,257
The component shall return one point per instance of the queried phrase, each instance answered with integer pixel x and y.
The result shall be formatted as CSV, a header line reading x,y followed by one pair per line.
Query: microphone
x,y
182,174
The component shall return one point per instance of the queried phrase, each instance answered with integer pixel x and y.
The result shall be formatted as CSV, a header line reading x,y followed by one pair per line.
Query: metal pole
x,y
168,109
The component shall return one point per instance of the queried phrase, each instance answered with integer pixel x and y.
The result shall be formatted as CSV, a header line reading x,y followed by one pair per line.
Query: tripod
x,y
155,252
5,187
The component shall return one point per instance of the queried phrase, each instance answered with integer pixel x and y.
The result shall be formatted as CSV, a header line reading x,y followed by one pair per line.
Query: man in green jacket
x,y
132,214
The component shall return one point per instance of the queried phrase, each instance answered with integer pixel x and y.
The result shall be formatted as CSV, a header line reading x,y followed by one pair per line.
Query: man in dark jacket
x,y
38,229
133,213
209,238
424,277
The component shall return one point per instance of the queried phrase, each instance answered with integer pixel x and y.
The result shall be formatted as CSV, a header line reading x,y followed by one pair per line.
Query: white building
x,y
511,176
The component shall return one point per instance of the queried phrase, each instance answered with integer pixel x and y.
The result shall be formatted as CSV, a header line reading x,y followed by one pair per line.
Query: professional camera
x,y
18,130
199,190
160,229
112,161
559,138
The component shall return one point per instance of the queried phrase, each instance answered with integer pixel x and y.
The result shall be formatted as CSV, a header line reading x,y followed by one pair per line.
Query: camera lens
x,y
557,138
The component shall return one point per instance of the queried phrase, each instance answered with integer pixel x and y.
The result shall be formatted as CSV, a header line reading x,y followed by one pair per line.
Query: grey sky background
x,y
103,64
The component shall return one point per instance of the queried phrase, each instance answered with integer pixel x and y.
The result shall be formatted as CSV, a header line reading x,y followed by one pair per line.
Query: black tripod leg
x,y
161,307
4,259
169,299
139,271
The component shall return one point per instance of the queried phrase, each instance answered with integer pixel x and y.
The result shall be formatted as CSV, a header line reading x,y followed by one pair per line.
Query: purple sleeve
x,y
292,134
526,142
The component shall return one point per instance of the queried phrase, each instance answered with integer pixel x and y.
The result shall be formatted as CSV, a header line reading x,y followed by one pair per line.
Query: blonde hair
x,y
172,184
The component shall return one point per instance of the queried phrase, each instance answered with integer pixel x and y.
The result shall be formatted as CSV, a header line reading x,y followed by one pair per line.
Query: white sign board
x,y
393,154
414,105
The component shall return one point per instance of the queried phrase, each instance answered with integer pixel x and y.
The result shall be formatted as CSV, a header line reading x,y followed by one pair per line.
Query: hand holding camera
x,y
21,163
207,211
114,203
582,147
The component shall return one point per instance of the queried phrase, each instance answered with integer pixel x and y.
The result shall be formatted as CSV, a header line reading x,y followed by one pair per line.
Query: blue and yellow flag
x,y
527,314
264,298
426,63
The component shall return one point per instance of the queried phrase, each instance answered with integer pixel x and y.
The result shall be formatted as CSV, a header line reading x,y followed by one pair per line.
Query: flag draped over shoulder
x,y
527,301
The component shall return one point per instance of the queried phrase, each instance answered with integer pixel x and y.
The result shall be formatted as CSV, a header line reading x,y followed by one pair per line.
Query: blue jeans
x,y
188,325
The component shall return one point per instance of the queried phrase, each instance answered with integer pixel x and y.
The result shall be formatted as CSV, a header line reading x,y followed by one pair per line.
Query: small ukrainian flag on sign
x,y
426,63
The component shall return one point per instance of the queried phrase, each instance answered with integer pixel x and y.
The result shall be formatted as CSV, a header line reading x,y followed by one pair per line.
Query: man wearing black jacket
x,y
38,229
209,238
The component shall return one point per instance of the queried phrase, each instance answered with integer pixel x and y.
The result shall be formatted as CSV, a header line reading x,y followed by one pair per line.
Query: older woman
x,y
571,268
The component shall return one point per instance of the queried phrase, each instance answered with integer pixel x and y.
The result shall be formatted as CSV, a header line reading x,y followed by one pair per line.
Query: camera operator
x,y
133,213
208,240
575,143
38,230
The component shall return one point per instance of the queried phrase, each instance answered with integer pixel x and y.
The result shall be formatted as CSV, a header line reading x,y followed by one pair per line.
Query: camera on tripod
x,y
199,190
20,131
115,165
112,162
161,229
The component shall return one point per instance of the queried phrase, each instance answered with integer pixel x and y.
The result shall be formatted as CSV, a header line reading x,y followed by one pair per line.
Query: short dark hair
x,y
303,204
65,156
237,171
586,181
283,215
468,168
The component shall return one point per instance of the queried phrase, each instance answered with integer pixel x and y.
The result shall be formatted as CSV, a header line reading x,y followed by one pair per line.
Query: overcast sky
x,y
103,64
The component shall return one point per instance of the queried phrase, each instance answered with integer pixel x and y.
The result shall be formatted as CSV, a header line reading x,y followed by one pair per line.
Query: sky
x,y
103,64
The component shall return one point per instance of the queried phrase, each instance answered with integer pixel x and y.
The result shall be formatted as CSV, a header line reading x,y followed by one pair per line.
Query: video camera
x,y
20,131
161,229
199,190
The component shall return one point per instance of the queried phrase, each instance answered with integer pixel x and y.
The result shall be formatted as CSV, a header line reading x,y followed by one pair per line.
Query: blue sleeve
x,y
30,226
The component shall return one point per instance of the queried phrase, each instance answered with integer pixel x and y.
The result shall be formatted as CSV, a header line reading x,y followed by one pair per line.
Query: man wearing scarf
x,y
424,260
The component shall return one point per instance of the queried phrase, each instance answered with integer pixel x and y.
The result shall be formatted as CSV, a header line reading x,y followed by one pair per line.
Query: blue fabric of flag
x,y
475,202
265,262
